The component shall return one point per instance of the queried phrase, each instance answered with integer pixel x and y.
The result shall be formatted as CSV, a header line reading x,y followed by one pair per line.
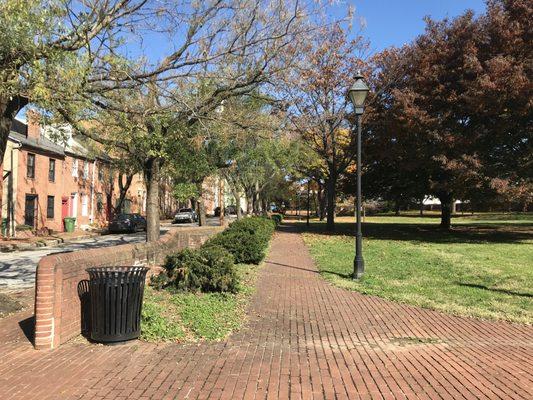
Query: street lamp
x,y
357,94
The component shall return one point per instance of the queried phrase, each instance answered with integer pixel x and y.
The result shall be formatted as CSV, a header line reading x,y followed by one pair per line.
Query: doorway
x,y
30,210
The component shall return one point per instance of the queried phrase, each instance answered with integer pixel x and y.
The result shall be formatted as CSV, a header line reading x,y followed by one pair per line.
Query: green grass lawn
x,y
482,268
184,317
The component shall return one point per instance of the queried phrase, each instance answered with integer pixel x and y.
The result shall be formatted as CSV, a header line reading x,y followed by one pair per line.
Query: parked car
x,y
229,210
127,223
185,215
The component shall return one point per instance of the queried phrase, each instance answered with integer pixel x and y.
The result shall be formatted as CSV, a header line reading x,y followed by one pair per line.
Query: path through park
x,y
304,339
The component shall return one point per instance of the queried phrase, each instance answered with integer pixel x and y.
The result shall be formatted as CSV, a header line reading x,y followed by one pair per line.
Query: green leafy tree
x,y
66,37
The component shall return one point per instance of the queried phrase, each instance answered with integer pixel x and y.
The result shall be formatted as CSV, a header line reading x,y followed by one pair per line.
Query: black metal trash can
x,y
116,301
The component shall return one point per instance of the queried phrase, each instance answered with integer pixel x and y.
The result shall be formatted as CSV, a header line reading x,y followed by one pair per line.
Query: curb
x,y
12,247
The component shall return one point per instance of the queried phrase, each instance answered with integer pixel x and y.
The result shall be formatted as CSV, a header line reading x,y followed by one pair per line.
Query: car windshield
x,y
122,217
185,210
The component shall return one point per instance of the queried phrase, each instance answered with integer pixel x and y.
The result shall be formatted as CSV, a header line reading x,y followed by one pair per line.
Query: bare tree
x,y
317,95
229,49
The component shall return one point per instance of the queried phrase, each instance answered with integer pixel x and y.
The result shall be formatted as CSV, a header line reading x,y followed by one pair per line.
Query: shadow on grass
x,y
504,291
468,233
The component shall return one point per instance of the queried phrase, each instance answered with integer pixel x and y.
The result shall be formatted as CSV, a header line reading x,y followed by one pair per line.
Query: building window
x,y
52,170
99,202
30,167
85,169
101,174
75,168
50,207
84,205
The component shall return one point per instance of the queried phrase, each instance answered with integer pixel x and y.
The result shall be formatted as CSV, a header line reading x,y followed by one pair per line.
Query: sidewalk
x,y
34,242
305,339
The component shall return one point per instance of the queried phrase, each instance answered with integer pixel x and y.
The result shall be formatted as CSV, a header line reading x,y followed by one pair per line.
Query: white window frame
x,y
74,201
84,205
85,169
75,168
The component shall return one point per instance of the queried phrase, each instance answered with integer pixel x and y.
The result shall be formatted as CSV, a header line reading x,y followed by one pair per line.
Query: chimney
x,y
34,127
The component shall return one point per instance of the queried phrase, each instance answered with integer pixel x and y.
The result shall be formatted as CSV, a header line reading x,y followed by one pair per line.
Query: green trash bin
x,y
4,226
70,224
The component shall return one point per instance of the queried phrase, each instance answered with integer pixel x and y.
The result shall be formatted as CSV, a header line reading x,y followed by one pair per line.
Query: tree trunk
x,y
256,200
151,173
202,220
331,195
421,206
320,201
123,190
221,203
237,196
237,204
323,204
264,203
249,204
446,202
397,208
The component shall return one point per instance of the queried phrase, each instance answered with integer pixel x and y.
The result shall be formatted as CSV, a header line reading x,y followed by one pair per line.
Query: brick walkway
x,y
305,339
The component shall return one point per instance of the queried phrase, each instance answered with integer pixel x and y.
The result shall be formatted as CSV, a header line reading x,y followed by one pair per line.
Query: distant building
x,y
432,203
43,182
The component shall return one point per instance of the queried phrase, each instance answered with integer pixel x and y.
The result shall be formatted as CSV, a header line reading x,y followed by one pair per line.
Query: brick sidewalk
x,y
305,339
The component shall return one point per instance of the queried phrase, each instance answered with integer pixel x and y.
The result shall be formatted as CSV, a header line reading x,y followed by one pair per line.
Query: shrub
x,y
209,269
259,226
277,218
247,239
245,247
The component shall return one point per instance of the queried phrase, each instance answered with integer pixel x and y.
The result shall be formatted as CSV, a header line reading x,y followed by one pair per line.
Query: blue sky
x,y
386,22
395,22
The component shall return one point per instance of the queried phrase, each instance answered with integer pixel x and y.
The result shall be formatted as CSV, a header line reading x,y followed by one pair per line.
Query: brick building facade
x,y
44,182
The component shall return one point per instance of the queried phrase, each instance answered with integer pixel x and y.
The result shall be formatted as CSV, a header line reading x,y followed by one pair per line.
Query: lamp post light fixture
x,y
357,94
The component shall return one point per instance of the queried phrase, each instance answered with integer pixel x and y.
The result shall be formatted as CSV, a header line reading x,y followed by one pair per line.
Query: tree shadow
x,y
504,291
292,266
467,233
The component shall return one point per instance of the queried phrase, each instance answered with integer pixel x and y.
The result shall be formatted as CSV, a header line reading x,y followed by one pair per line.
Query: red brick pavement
x,y
305,339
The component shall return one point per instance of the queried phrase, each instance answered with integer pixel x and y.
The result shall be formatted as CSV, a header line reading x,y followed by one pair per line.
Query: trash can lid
x,y
118,269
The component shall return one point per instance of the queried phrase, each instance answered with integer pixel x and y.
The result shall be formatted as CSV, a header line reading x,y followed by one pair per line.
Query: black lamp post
x,y
357,94
308,201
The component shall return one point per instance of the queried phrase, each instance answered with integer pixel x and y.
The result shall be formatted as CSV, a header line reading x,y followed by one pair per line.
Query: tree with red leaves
x,y
458,120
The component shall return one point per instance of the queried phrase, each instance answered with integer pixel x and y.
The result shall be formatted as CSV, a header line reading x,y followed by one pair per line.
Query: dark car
x,y
230,210
185,215
127,223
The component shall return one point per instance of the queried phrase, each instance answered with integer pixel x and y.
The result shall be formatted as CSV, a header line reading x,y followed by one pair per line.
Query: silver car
x,y
185,215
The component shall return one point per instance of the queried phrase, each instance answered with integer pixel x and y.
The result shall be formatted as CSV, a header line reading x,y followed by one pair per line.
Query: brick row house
x,y
44,182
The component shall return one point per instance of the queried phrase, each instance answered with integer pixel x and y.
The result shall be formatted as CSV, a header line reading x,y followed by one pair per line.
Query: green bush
x,y
277,218
245,247
247,239
208,269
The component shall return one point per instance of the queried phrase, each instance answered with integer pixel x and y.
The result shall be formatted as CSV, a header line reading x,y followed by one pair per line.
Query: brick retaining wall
x,y
57,304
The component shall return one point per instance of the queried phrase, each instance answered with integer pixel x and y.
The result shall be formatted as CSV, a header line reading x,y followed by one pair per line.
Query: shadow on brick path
x,y
304,339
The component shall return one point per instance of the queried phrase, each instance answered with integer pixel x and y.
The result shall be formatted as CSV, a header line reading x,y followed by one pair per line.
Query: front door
x,y
30,210
108,208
